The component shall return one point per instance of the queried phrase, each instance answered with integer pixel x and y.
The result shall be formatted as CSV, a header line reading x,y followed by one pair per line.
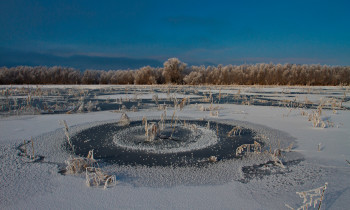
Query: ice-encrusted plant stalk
x,y
194,127
174,127
33,157
236,130
321,199
161,125
172,118
217,129
146,127
182,104
25,147
66,132
275,158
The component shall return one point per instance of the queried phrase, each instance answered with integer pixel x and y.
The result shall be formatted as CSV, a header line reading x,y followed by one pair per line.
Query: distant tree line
x,y
176,72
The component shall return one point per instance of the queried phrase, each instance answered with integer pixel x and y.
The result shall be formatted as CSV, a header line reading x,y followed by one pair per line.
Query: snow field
x,y
222,185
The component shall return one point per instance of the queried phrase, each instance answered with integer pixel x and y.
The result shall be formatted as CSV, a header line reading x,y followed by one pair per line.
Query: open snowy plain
x,y
303,134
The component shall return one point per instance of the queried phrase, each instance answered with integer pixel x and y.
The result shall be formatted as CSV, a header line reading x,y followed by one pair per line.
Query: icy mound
x,y
169,140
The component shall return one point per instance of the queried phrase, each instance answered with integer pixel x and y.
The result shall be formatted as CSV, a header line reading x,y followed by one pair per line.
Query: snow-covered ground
x,y
222,185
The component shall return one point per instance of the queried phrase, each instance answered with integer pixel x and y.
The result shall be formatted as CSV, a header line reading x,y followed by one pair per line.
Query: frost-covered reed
x,y
311,198
66,132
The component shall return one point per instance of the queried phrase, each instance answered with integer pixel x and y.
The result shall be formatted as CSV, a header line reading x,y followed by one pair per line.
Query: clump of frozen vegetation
x,y
96,177
247,148
256,148
213,159
214,114
78,165
124,120
317,119
160,136
237,130
275,157
155,98
91,106
311,198
28,151
151,131
93,174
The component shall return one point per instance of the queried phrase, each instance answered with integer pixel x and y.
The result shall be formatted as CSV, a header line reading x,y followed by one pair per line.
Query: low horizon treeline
x,y
176,72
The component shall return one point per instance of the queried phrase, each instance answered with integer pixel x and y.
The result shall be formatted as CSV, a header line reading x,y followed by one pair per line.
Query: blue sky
x,y
197,32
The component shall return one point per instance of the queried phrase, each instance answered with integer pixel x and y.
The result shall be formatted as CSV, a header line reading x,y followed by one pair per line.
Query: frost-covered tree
x,y
145,76
194,78
91,77
172,70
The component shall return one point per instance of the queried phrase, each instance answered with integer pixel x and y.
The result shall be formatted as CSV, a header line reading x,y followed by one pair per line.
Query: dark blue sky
x,y
197,32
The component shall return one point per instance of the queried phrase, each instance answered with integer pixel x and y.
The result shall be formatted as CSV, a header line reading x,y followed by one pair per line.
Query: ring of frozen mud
x,y
171,162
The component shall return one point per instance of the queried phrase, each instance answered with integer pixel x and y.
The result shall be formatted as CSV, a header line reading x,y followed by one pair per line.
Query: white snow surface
x,y
27,185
